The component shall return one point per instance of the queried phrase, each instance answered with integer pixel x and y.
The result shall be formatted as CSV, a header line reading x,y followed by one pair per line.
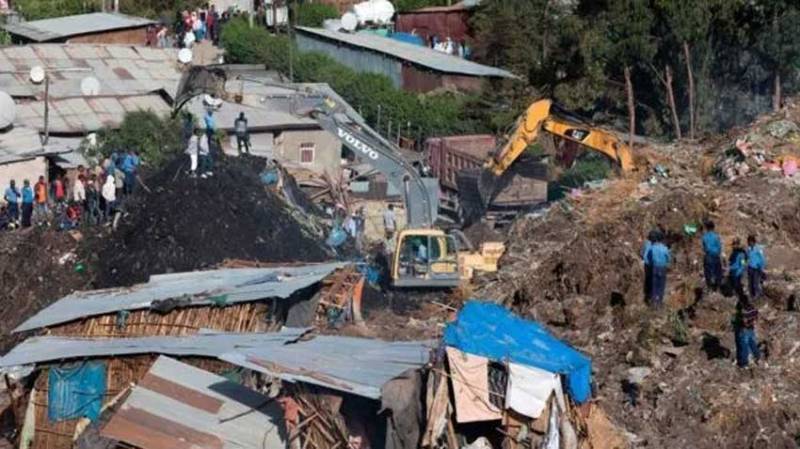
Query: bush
x,y
244,44
422,115
313,14
157,139
45,9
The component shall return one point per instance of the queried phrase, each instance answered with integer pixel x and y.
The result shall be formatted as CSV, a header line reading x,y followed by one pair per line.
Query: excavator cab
x,y
425,258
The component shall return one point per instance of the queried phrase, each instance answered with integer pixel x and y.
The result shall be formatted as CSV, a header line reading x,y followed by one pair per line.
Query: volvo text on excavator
x,y
478,187
423,256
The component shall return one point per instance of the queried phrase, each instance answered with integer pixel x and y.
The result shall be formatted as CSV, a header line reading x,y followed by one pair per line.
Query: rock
x,y
780,129
636,375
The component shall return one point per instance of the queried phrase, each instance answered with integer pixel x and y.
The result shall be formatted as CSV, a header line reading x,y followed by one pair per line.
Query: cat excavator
x,y
424,256
478,187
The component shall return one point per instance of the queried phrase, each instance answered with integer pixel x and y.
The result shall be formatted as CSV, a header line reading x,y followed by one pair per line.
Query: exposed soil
x,y
186,224
32,276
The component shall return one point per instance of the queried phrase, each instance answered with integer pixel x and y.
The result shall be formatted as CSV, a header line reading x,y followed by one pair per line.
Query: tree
x,y
157,139
778,40
629,32
45,9
689,21
314,14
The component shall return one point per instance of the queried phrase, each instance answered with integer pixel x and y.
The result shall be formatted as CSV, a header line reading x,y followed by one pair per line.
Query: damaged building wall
x,y
316,150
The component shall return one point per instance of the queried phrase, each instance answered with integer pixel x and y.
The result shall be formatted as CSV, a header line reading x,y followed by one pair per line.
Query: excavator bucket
x,y
476,189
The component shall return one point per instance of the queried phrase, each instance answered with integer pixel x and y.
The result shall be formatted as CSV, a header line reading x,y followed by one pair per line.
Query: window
x,y
307,153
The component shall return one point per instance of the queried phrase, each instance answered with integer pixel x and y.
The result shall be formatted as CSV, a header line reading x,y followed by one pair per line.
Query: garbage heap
x,y
178,223
668,376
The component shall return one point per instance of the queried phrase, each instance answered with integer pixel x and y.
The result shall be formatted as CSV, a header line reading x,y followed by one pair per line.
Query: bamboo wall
x,y
241,317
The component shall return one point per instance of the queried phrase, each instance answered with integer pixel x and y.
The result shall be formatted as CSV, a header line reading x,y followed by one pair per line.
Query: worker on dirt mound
x,y
736,265
109,193
659,258
744,331
12,197
192,150
712,261
648,271
389,222
40,210
756,262
242,134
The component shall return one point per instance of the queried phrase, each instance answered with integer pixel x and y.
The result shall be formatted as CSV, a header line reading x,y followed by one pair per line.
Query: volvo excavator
x,y
478,187
424,256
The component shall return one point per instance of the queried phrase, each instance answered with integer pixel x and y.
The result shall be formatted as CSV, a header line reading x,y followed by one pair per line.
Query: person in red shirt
x,y
40,201
59,191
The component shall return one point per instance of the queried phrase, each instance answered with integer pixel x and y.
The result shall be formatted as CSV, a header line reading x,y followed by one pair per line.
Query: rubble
x,y
190,223
669,376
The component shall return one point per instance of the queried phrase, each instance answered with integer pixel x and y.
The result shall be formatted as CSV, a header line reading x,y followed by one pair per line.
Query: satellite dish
x,y
8,110
212,101
185,56
90,86
349,21
37,74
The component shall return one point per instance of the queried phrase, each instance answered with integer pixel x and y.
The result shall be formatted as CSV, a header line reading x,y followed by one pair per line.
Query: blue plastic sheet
x,y
76,391
337,237
408,38
492,331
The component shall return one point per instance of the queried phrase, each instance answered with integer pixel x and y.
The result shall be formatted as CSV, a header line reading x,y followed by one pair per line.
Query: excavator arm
x,y
478,187
539,117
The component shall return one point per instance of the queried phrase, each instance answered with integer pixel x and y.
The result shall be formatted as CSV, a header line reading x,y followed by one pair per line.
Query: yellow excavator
x,y
478,187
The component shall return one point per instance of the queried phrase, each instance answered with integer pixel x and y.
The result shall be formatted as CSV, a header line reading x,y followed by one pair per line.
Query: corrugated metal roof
x,y
415,54
176,402
121,69
87,114
67,26
19,143
353,365
358,366
239,285
50,348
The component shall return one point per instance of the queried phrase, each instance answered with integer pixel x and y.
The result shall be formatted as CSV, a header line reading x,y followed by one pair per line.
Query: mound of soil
x,y
37,267
185,224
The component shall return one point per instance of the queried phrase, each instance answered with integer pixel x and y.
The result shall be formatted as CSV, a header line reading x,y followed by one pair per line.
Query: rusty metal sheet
x,y
147,431
181,393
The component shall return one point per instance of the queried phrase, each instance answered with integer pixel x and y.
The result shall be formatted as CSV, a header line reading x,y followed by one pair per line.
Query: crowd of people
x,y
749,261
92,198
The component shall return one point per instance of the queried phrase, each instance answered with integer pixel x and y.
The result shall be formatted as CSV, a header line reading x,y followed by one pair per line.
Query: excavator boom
x,y
478,187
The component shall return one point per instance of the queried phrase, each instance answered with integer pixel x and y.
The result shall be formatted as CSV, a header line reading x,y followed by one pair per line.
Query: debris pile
x,y
669,375
184,223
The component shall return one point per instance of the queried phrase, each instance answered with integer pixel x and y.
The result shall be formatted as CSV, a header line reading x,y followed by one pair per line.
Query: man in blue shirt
x,y
755,266
27,203
648,272
736,265
12,197
712,264
659,258
130,161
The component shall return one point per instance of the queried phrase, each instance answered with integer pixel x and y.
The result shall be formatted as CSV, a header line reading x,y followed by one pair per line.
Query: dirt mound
x,y
37,267
185,224
578,270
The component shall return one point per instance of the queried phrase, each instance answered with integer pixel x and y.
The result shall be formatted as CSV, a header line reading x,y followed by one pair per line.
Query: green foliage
x,y
410,5
313,14
373,95
244,44
44,9
157,139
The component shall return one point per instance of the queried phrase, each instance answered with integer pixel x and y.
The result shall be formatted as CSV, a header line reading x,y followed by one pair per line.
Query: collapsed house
x,y
109,368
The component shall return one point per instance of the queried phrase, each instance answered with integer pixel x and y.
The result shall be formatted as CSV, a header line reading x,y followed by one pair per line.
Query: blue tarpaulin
x,y
408,38
492,331
76,392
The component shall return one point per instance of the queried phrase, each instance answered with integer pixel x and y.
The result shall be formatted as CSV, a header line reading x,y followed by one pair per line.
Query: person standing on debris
x,y
192,149
389,222
109,193
59,191
204,153
736,265
755,267
40,208
12,197
712,263
744,330
129,163
648,268
659,258
242,134
27,203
